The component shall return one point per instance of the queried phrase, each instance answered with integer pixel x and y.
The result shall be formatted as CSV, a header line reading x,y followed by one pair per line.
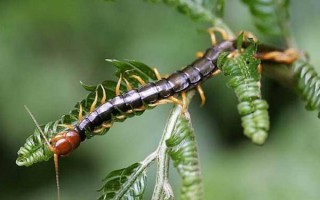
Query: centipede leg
x,y
233,54
80,116
117,91
184,101
139,109
139,79
121,117
98,130
175,100
222,32
215,73
107,125
165,101
94,103
213,38
159,77
129,86
157,73
202,96
286,57
56,167
103,127
199,54
136,110
104,96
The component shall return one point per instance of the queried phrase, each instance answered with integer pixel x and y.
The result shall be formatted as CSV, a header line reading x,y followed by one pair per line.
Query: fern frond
x,y
127,183
244,78
308,84
184,153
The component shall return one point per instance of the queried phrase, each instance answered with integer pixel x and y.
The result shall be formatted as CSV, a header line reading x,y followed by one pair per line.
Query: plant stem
x,y
144,164
162,184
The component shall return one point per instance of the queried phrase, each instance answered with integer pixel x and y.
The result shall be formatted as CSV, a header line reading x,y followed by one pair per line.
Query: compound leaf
x,y
244,79
184,153
308,84
127,183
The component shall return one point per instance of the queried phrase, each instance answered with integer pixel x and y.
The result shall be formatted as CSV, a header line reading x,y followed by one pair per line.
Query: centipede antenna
x,y
39,128
56,167
51,148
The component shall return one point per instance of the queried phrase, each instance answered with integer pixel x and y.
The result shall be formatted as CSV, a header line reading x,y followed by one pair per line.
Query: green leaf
x,y
35,150
89,88
127,183
308,84
270,16
184,153
244,79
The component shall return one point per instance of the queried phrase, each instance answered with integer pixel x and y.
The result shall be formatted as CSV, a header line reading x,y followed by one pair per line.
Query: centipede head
x,y
65,142
61,145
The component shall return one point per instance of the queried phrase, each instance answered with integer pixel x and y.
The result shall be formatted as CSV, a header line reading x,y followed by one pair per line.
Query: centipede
x,y
101,117
136,100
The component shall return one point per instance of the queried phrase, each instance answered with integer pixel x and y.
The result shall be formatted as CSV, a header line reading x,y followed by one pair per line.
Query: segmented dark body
x,y
183,80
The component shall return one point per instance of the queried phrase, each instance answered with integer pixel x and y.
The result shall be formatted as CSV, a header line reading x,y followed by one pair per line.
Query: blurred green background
x,y
47,47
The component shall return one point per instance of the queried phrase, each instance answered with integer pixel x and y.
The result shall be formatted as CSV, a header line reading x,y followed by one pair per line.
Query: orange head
x,y
64,143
